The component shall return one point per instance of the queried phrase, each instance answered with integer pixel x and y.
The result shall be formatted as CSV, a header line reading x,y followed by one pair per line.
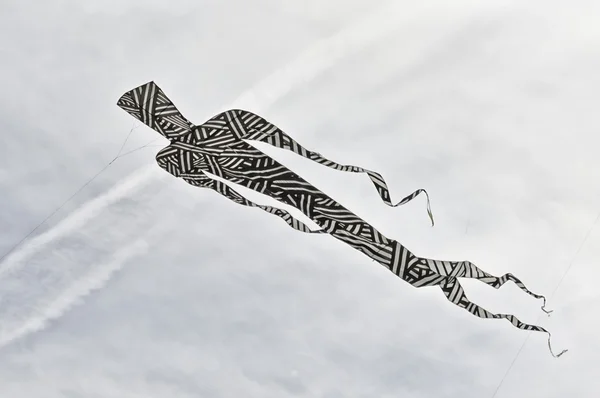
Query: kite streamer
x,y
218,147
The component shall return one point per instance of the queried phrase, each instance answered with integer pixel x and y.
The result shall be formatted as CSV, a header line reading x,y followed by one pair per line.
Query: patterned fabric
x,y
218,147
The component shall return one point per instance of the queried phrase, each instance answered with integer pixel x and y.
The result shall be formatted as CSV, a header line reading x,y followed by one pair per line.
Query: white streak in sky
x,y
76,219
95,279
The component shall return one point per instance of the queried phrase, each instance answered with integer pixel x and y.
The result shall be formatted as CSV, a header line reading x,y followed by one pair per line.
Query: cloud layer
x,y
179,293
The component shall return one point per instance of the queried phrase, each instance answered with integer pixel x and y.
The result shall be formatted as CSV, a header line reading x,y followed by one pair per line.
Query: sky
x,y
144,286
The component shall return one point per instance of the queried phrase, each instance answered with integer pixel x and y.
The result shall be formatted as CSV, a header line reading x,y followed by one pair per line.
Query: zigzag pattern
x,y
218,147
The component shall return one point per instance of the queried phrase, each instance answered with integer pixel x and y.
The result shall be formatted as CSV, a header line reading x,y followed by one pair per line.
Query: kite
x,y
219,147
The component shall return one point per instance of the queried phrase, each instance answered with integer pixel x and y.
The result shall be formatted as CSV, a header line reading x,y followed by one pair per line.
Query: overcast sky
x,y
144,286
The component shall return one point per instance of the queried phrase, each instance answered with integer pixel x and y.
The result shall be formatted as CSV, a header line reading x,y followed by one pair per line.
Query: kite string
x,y
88,182
125,142
137,149
587,235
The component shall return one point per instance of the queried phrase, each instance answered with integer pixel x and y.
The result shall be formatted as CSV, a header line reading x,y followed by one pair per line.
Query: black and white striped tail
x,y
202,180
250,126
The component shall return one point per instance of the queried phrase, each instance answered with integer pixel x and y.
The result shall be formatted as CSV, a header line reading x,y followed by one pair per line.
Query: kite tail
x,y
258,129
455,294
466,269
407,199
497,282
203,180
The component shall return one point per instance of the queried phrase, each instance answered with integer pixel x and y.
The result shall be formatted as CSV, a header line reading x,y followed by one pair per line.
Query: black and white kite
x,y
218,147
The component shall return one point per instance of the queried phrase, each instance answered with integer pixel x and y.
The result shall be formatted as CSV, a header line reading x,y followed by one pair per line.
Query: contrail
x,y
327,52
71,296
312,62
78,218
